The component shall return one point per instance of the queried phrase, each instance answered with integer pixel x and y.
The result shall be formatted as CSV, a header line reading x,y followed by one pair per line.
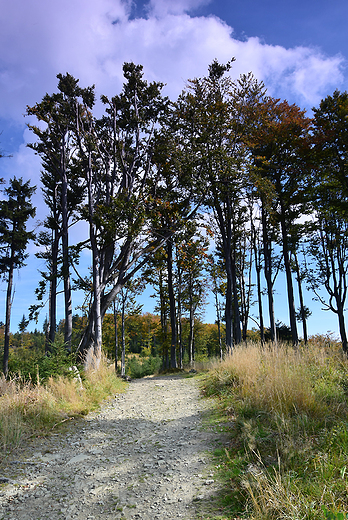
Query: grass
x,y
286,413
28,409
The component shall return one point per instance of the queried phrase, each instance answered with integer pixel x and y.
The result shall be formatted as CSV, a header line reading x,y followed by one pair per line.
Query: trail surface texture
x,y
143,456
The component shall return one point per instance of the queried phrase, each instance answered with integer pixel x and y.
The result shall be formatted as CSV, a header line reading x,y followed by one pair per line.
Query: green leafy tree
x,y
216,116
329,238
15,212
281,147
116,153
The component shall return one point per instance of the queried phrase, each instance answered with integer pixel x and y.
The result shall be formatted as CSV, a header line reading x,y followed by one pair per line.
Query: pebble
x,y
143,455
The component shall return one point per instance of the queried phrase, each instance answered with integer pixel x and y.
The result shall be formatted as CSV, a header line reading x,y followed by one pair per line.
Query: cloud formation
x,y
92,39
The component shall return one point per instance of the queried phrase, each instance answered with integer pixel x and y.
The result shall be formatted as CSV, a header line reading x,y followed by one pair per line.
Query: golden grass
x,y
27,408
290,415
278,378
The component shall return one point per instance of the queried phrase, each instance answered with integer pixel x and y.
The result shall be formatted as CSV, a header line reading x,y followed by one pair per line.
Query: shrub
x,y
38,366
142,367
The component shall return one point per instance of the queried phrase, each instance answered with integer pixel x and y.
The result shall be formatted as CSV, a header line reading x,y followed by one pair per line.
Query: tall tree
x,y
61,185
217,114
329,239
282,148
116,154
15,212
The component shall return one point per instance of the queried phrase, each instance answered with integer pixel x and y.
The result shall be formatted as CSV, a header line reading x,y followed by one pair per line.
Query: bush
x,y
137,368
38,366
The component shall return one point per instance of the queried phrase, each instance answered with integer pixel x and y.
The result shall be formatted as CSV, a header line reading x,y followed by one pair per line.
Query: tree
x,y
191,260
217,286
14,214
116,154
329,237
156,275
281,147
217,115
128,304
62,187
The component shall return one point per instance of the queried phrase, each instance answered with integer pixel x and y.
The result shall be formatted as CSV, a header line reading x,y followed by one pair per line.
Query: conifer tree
x,y
15,211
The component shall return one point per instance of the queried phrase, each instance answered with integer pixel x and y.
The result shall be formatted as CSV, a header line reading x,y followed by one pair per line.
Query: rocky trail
x,y
144,455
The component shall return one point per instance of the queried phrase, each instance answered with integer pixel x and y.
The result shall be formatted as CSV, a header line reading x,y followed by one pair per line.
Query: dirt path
x,y
143,456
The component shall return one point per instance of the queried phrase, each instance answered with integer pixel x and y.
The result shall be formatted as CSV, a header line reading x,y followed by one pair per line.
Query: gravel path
x,y
143,456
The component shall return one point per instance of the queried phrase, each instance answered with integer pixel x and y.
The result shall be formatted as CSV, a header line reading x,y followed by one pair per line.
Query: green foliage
x,y
137,368
38,366
334,516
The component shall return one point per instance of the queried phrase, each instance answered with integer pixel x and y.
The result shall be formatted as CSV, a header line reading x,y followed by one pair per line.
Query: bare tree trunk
x,y
191,333
218,320
65,253
7,320
290,289
300,294
268,275
169,246
236,313
123,356
342,327
52,302
116,334
179,320
258,280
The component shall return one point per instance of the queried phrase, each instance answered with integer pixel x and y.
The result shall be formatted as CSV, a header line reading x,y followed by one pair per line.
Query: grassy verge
x,y
286,415
28,409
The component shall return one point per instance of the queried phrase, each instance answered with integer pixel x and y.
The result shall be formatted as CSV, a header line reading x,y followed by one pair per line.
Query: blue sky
x,y
298,48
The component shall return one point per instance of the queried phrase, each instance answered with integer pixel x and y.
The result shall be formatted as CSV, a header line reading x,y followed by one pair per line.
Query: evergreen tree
x,y
15,211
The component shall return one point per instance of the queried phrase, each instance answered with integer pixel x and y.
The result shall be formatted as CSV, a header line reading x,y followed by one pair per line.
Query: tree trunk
x,y
65,253
116,335
191,333
268,274
228,305
258,281
123,356
302,306
172,310
236,313
179,320
245,288
342,326
218,321
8,319
52,312
290,289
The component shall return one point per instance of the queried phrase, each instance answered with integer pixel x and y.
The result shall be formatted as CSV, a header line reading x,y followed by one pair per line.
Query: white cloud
x,y
92,39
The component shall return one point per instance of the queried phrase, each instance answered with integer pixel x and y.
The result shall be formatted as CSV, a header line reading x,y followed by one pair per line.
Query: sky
x,y
299,49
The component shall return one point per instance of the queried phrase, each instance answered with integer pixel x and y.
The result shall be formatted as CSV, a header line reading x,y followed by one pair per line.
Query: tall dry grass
x,y
27,408
289,433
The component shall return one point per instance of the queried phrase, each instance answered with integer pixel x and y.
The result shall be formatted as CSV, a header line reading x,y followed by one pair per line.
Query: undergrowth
x,y
140,367
286,415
